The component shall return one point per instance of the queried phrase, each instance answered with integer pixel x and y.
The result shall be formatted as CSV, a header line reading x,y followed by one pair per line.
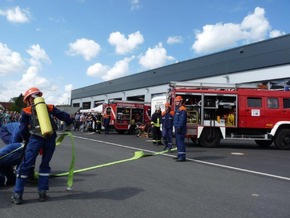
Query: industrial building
x,y
263,61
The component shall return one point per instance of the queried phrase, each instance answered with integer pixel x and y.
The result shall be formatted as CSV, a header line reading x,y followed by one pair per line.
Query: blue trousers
x,y
180,145
33,147
10,154
167,137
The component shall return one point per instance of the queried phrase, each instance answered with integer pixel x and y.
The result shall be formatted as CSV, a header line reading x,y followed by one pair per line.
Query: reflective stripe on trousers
x,y
31,152
180,146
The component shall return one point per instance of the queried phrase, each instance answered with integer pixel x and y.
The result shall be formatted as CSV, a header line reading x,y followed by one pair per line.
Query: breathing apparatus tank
x,y
43,117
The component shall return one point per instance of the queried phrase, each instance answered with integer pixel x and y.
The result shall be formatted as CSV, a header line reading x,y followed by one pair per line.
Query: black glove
x,y
178,130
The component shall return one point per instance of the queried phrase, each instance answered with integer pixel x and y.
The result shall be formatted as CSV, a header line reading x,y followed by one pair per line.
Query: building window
x,y
86,105
76,104
136,98
97,103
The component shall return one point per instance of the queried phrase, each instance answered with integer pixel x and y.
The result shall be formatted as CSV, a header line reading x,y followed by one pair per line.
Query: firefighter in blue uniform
x,y
106,123
10,154
35,141
179,122
167,126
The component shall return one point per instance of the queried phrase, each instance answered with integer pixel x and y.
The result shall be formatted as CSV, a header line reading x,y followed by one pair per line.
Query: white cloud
x,y
124,45
276,33
87,48
155,57
52,92
38,55
120,69
66,96
13,87
16,15
135,4
215,37
254,27
97,70
174,40
10,62
30,78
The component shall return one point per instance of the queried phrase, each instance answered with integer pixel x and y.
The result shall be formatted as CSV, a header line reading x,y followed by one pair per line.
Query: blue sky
x,y
62,45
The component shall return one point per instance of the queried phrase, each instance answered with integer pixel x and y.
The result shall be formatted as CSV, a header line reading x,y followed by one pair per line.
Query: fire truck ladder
x,y
215,86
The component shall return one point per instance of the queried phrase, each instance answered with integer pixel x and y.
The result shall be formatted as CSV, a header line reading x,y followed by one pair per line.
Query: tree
x,y
17,103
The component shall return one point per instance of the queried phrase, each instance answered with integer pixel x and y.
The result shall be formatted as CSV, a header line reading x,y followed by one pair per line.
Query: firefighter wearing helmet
x,y
35,140
167,126
32,92
179,123
156,123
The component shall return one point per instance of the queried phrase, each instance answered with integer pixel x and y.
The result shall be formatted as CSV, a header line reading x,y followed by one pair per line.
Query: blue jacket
x,y
167,119
180,119
9,133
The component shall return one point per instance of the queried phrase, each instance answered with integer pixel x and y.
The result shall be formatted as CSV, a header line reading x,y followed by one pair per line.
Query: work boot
x,y
16,198
181,160
42,196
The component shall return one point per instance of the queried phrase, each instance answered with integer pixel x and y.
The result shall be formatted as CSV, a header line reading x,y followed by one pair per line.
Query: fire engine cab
x,y
234,111
124,115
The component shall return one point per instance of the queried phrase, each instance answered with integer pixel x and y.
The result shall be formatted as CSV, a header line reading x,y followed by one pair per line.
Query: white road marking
x,y
193,160
237,153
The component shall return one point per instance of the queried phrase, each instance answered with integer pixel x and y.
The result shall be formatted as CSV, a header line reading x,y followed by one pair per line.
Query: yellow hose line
x,y
70,173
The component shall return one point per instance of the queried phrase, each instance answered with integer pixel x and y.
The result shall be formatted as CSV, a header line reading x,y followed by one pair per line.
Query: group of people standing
x,y
7,116
170,119
89,122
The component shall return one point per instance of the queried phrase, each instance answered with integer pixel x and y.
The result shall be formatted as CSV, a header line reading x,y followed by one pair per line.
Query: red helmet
x,y
178,98
167,104
31,91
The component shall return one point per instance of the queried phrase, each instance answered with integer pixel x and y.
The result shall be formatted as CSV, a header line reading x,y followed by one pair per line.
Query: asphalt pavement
x,y
237,179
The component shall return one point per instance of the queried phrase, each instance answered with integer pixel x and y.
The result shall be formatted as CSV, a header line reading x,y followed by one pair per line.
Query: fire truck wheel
x,y
210,137
282,139
264,143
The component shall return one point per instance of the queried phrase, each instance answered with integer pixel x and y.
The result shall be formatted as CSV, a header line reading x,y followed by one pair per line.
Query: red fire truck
x,y
124,115
231,111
